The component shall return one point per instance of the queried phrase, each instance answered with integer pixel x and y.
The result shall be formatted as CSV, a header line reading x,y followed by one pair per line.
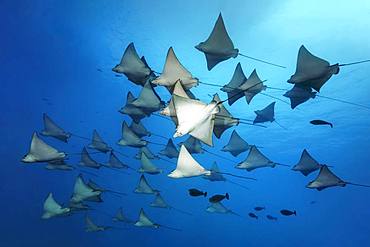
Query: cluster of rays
x,y
193,118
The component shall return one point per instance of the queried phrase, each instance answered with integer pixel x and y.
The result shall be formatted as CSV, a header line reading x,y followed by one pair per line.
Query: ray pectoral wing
x,y
319,82
307,62
213,60
204,131
187,109
219,38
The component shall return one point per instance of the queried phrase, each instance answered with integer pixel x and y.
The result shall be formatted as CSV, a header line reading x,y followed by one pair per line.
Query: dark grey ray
x,y
312,71
232,88
60,165
236,145
218,47
134,112
219,208
87,161
254,160
133,67
95,187
148,100
145,221
267,114
236,81
233,93
152,75
143,187
121,217
83,192
170,150
129,138
90,226
174,71
53,209
223,119
97,143
306,164
193,145
139,129
41,152
114,162
327,178
147,166
159,202
53,130
149,154
252,86
299,94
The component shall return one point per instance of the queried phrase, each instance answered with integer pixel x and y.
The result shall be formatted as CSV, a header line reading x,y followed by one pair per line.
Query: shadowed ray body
x,y
173,72
236,145
129,138
97,143
306,164
219,46
41,152
170,151
147,166
313,72
143,187
159,202
326,179
83,192
255,160
134,68
53,209
145,221
53,130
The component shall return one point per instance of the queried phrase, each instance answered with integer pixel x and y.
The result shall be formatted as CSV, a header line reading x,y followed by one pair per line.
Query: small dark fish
x,y
321,122
218,198
271,217
259,208
252,215
195,192
117,75
287,212
312,202
45,99
100,70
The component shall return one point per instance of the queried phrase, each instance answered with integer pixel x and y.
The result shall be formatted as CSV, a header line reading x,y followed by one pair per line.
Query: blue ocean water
x,y
51,56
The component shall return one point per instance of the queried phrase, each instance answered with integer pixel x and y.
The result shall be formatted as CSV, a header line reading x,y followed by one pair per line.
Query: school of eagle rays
x,y
197,120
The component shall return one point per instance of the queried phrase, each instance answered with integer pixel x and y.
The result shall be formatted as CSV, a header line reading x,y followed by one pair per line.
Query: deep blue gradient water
x,y
50,55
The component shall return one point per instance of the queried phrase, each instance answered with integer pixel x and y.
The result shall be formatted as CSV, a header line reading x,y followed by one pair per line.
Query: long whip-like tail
x,y
262,61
